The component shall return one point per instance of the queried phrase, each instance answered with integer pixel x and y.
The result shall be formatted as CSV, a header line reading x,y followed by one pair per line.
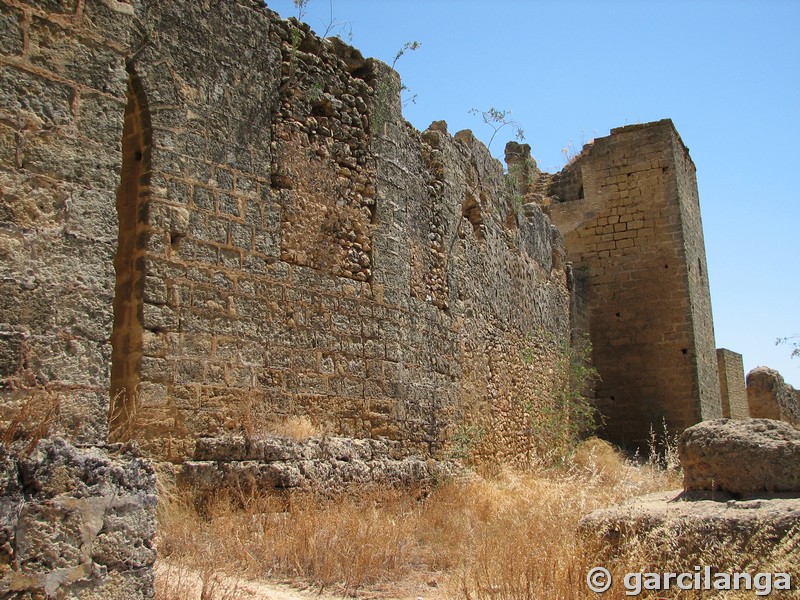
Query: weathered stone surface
x,y
325,464
696,520
308,253
770,397
62,107
76,523
741,457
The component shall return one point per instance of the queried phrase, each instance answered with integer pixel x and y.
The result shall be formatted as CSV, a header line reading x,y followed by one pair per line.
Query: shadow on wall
x,y
129,262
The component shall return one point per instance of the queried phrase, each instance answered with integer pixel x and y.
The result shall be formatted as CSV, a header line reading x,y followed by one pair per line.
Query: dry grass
x,y
294,428
500,534
177,582
509,536
28,415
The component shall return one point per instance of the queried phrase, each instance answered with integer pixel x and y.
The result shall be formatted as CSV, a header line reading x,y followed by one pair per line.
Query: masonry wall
x,y
62,102
629,213
703,356
733,391
310,254
214,220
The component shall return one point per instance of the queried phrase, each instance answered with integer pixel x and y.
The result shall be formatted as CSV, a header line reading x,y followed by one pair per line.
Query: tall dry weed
x,y
178,582
296,428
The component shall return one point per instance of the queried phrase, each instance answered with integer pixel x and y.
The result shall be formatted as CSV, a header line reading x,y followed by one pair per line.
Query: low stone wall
x,y
321,464
76,523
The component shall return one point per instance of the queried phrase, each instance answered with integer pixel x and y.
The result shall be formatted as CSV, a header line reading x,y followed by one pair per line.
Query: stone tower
x,y
628,208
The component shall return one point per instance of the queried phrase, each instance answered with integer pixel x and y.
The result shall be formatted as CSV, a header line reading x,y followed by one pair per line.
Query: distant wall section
x,y
733,390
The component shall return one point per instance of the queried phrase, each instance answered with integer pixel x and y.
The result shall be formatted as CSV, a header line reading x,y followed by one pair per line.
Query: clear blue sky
x,y
726,72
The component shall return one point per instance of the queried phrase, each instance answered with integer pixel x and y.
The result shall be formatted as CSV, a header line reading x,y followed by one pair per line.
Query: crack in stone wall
x,y
129,264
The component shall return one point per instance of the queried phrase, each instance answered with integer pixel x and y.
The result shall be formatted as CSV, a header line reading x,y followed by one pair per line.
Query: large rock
x,y
741,457
76,523
741,495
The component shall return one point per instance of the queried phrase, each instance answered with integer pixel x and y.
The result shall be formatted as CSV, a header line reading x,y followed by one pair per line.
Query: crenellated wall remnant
x,y
629,211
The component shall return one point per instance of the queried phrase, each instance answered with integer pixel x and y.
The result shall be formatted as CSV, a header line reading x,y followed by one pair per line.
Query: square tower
x,y
629,211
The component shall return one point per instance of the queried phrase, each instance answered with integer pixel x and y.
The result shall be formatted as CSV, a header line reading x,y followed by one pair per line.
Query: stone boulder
x,y
741,495
76,523
741,457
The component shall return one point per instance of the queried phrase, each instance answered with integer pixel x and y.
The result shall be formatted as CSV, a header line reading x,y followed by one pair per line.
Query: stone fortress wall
x,y
207,234
204,234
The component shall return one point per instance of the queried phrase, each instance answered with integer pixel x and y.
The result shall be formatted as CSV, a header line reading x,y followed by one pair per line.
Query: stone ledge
x,y
324,464
698,519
